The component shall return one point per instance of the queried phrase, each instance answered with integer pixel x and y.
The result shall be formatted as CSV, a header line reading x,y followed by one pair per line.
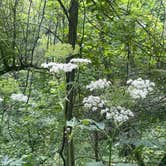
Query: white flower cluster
x,y
80,60
118,114
99,84
104,111
57,67
48,65
140,88
19,97
93,102
65,67
1,99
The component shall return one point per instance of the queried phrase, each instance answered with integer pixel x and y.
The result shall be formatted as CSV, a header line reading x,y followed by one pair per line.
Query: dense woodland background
x,y
124,39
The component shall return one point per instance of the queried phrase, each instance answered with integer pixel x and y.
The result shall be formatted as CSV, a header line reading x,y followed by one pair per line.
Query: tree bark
x,y
70,76
96,148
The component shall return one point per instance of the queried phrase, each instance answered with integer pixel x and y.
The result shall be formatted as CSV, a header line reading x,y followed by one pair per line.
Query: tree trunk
x,y
72,37
96,148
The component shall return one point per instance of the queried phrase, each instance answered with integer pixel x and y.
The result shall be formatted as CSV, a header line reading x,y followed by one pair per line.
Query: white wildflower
x,y
45,65
101,104
1,99
94,108
108,115
65,67
129,81
19,97
93,102
99,84
103,111
48,65
57,67
80,60
140,88
118,114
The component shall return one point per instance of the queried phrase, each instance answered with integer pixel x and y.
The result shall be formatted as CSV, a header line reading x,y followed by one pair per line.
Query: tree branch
x,y
64,9
19,67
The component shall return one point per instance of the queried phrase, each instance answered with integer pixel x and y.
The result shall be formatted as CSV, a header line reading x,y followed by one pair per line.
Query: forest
x,y
82,83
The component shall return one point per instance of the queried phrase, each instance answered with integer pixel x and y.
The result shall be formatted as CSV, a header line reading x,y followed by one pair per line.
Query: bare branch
x,y
64,9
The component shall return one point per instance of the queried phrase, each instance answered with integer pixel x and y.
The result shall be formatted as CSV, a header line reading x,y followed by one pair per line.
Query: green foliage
x,y
88,124
61,51
124,39
6,161
8,86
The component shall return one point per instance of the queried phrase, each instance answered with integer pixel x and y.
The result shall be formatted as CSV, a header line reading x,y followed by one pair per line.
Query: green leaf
x,y
86,122
72,123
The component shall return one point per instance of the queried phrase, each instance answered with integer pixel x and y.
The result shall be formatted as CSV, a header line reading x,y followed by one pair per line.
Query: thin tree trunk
x,y
73,19
14,28
96,148
139,159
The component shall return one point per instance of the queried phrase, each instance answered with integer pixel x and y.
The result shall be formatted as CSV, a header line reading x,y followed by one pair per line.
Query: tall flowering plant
x,y
101,105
